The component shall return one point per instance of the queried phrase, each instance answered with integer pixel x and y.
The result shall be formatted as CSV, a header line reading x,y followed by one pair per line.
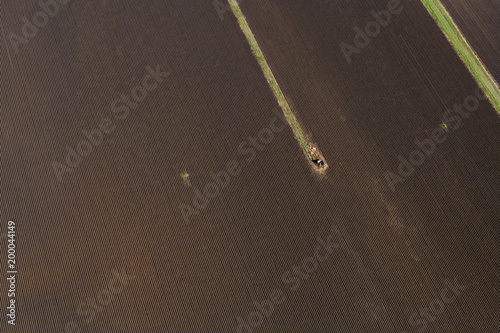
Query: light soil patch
x,y
464,50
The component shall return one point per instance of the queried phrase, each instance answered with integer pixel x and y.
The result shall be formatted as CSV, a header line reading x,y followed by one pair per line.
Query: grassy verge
x,y
469,57
297,131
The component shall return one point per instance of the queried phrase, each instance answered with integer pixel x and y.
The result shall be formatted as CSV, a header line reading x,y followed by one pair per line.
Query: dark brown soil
x,y
120,207
362,116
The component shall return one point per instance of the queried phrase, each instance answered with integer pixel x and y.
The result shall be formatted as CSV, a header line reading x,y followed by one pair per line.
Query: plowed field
x,y
118,209
479,21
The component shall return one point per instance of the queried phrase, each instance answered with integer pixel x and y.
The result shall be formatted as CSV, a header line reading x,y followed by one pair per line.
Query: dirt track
x,y
479,21
120,206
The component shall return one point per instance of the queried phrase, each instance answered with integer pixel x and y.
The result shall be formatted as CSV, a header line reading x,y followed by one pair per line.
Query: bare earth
x,y
119,209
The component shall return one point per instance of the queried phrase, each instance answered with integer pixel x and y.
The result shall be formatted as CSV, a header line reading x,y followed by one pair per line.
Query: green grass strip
x,y
297,131
469,57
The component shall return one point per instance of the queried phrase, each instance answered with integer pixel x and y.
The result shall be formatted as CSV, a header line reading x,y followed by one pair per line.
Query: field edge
x,y
310,150
474,64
